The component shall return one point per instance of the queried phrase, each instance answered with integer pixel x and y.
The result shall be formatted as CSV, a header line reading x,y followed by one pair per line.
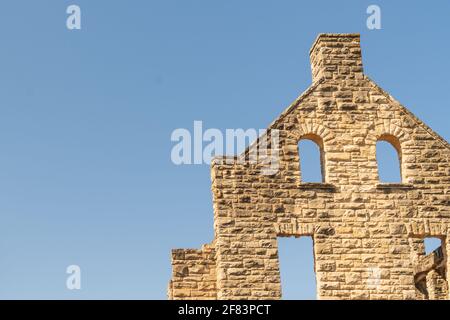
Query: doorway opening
x,y
296,259
430,269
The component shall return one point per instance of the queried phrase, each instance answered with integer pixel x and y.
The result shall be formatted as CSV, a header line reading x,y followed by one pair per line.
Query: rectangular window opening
x,y
296,259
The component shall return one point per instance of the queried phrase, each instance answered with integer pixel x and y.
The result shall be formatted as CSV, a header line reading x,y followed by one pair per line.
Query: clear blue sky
x,y
86,118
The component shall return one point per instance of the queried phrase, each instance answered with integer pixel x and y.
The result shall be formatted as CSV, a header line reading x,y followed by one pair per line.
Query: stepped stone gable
x,y
368,236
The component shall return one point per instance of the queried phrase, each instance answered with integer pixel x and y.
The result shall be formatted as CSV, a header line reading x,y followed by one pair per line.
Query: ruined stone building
x,y
368,236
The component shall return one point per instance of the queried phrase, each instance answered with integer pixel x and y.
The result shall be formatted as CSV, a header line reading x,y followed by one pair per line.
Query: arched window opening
x,y
311,159
389,159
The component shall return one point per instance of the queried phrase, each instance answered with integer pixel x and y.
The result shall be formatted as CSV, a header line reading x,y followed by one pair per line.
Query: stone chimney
x,y
336,56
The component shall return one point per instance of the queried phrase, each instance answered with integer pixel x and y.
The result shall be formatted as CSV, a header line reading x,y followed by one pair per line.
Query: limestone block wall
x,y
430,276
367,235
193,274
437,286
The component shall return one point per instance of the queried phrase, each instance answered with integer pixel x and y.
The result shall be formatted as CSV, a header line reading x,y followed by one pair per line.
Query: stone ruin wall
x,y
430,277
193,274
368,236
